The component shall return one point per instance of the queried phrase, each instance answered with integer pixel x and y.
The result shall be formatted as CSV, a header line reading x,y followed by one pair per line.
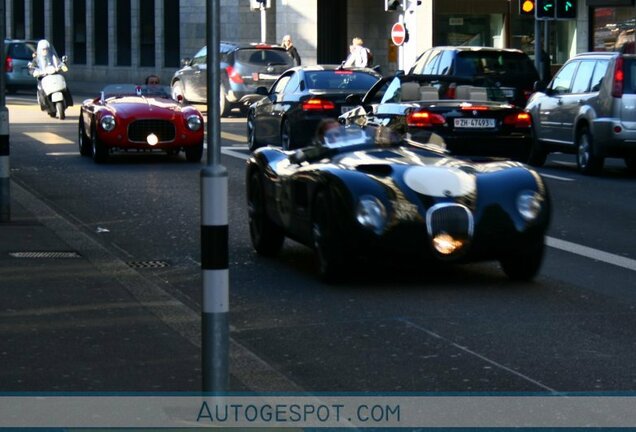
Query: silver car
x,y
589,109
18,55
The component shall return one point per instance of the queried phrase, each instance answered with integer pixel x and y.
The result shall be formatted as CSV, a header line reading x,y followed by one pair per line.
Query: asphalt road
x,y
431,329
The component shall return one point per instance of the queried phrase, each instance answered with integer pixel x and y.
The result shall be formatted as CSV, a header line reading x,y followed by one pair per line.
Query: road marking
x,y
63,154
475,354
595,254
565,163
48,138
232,152
557,177
233,137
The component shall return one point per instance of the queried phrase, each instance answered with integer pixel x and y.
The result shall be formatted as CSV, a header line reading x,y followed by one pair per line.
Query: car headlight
x,y
107,123
529,204
194,122
371,213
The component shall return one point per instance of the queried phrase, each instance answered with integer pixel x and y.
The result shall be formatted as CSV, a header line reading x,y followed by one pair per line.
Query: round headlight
x,y
371,213
193,122
529,205
108,123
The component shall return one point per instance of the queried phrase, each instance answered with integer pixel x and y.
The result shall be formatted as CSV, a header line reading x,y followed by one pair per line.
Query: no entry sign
x,y
398,34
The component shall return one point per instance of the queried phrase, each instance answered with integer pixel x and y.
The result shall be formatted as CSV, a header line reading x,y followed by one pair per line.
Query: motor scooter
x,y
52,93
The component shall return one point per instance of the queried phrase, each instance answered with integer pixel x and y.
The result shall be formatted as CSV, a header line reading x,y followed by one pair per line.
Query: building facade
x,y
124,40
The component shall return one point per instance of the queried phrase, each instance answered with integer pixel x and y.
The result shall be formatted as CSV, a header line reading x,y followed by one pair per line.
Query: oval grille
x,y
140,129
451,218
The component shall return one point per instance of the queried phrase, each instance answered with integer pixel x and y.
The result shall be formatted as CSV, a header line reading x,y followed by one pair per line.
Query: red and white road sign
x,y
398,33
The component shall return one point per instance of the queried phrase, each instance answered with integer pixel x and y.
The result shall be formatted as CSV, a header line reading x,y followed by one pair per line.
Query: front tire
x,y
586,159
286,140
537,153
82,139
224,105
59,110
329,254
252,142
267,237
100,151
523,264
194,154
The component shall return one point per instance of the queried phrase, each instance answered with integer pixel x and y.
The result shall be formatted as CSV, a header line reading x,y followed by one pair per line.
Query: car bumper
x,y
609,142
513,145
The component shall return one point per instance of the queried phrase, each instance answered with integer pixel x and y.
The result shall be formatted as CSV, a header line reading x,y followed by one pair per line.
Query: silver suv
x,y
589,108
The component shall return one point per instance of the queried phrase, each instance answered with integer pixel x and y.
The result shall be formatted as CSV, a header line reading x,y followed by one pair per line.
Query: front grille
x,y
450,218
139,130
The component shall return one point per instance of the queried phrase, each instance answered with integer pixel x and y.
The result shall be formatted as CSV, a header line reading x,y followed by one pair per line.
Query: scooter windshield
x,y
47,56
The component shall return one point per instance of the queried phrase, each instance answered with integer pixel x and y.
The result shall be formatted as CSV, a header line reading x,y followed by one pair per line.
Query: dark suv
x,y
508,73
243,69
18,54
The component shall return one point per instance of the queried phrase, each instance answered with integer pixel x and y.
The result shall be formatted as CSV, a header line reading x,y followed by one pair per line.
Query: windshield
x,y
264,57
121,90
471,63
339,79
347,136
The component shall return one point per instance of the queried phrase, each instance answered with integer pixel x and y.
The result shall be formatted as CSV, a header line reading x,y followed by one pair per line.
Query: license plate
x,y
474,123
508,92
344,109
267,76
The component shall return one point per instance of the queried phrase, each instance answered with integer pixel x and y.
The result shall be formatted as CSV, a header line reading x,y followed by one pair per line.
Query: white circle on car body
x,y
440,181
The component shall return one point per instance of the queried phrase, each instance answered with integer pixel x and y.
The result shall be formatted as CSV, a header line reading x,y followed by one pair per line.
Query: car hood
x,y
129,107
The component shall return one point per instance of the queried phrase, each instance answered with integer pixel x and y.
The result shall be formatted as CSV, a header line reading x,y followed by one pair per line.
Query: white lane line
x,y
63,154
232,152
595,254
557,177
48,138
564,163
233,137
475,354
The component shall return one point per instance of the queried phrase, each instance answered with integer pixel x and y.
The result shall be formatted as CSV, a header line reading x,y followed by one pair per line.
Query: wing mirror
x,y
353,99
262,91
539,86
64,59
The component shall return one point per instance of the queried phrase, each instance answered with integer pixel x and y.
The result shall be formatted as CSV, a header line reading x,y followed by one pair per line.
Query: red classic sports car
x,y
129,117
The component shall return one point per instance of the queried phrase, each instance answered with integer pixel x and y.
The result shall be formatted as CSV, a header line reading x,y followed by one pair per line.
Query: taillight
x,y
451,91
234,76
423,118
470,107
619,76
8,64
518,120
316,104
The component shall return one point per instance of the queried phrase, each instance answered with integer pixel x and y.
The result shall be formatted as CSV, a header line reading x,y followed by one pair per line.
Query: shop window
x,y
100,27
171,34
613,29
124,56
79,31
146,32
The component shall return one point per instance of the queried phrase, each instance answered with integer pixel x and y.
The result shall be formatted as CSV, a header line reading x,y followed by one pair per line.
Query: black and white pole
x,y
5,178
263,22
215,306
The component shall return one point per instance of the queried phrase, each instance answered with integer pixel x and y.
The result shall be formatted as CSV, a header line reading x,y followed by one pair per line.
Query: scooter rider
x,y
47,63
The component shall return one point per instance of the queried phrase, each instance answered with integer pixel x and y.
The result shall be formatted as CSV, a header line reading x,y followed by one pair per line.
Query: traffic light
x,y
544,9
566,9
526,7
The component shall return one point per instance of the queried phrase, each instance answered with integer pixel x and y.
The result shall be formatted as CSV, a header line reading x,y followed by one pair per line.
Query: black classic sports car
x,y
291,110
468,119
367,195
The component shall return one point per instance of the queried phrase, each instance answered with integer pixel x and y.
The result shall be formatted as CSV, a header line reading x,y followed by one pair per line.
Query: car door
x,y
572,101
269,113
546,114
193,77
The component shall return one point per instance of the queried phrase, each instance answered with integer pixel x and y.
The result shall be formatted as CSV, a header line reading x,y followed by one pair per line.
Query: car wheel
x,y
286,140
523,264
586,160
82,140
537,153
224,105
195,153
329,255
267,237
630,162
178,92
252,142
59,110
100,151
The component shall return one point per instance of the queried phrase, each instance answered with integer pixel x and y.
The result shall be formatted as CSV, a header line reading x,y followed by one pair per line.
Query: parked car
x,y
129,117
290,111
468,124
376,197
243,68
589,108
509,73
18,54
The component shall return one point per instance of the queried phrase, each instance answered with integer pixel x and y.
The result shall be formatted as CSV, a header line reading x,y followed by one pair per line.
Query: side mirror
x,y
353,99
262,91
64,59
539,86
185,61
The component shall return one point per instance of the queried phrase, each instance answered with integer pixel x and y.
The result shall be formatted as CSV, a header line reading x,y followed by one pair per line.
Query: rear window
x,y
264,57
471,63
346,79
21,51
630,76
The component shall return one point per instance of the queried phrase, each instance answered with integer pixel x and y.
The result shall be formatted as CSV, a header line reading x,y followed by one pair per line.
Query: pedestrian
x,y
153,79
359,55
291,49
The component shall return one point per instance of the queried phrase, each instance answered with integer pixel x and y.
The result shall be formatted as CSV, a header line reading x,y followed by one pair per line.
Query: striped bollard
x,y
5,177
214,265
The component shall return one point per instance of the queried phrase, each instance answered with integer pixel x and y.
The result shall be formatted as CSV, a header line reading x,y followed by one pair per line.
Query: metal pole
x,y
537,47
401,47
5,172
214,228
263,23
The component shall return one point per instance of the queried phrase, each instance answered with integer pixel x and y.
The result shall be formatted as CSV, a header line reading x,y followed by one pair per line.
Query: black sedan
x,y
464,118
290,111
366,196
